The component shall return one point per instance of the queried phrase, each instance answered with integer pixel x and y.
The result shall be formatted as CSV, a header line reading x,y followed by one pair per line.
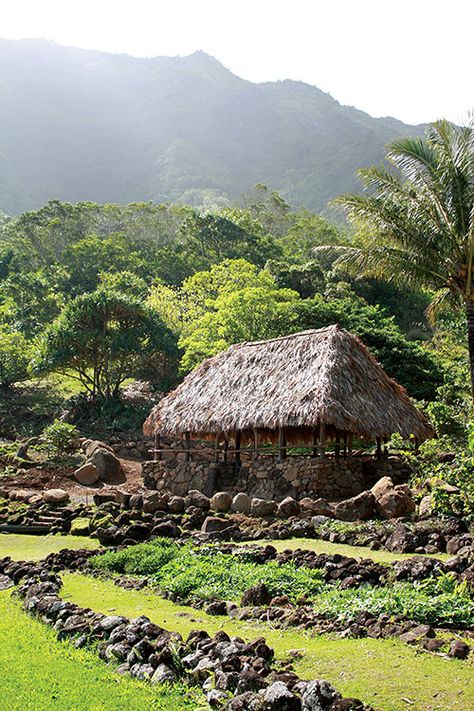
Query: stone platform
x,y
266,477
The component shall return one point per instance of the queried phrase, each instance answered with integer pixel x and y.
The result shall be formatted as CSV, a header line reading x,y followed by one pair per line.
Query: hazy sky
x,y
411,59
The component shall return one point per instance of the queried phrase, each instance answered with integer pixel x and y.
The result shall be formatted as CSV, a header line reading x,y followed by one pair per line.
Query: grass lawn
x,y
386,673
320,546
20,547
38,672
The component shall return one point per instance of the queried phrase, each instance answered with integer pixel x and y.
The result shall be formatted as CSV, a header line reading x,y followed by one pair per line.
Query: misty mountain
x,y
86,125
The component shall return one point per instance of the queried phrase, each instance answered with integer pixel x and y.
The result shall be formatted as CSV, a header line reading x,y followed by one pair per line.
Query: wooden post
x,y
314,453
187,447
322,440
216,448
238,440
417,445
157,445
226,446
281,444
344,445
385,446
349,445
337,448
255,444
379,447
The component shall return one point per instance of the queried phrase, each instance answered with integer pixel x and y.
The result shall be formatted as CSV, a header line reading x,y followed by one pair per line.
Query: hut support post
x,y
417,445
314,453
281,444
344,445
226,447
349,445
337,448
322,440
216,448
237,457
157,446
379,448
187,447
238,440
255,445
385,446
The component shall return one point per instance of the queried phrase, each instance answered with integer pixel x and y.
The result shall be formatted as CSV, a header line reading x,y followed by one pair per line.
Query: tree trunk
x,y
470,340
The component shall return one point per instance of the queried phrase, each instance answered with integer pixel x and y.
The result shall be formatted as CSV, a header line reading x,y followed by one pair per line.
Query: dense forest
x,y
103,294
85,125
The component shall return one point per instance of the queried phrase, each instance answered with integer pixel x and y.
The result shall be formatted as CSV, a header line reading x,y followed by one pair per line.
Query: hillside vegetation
x,y
115,128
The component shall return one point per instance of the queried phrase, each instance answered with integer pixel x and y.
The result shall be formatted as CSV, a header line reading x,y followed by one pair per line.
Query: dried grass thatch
x,y
297,381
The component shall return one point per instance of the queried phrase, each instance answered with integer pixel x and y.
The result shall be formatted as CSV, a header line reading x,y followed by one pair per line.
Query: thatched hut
x,y
298,390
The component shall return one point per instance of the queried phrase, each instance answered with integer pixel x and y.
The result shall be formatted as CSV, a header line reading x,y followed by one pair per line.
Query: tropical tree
x,y
103,338
420,219
14,357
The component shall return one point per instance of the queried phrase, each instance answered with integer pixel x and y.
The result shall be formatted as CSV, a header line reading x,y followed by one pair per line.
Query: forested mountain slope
x,y
85,125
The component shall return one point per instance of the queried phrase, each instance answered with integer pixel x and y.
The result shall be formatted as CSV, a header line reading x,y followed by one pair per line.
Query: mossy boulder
x,y
80,527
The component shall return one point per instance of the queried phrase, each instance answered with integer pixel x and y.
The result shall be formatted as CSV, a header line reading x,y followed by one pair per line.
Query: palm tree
x,y
421,218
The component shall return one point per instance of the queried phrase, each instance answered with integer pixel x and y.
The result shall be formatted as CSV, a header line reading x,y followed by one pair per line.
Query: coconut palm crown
x,y
421,217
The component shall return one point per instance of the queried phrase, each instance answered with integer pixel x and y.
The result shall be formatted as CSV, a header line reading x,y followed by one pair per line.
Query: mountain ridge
x,y
90,125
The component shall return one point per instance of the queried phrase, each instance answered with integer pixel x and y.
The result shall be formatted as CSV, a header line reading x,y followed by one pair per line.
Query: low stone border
x,y
234,675
257,603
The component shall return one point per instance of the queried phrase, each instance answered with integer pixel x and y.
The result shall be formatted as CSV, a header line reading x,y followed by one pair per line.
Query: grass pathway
x,y
319,546
24,547
38,672
386,673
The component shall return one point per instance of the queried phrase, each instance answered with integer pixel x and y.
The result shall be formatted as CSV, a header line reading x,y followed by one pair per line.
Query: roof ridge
x,y
298,334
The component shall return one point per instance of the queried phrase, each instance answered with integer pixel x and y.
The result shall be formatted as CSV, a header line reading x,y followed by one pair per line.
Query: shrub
x,y
59,437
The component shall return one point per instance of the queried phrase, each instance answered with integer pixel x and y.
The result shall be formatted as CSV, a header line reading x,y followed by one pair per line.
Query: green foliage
x,y
104,338
420,218
14,357
59,437
184,572
459,473
439,601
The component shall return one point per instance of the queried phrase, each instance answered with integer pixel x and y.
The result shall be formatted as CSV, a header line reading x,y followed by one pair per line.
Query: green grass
x,y
380,672
38,672
21,547
320,546
184,571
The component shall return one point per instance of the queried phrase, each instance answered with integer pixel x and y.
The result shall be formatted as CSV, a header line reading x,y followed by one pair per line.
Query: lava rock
x,y
357,508
55,496
459,649
278,697
241,503
197,499
288,507
87,475
262,507
107,465
256,596
318,695
221,502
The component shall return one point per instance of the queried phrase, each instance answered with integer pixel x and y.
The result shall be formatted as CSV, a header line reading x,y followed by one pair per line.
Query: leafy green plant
x,y
184,572
58,437
437,601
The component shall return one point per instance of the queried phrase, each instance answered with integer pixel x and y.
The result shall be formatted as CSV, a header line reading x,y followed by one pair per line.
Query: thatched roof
x,y
325,375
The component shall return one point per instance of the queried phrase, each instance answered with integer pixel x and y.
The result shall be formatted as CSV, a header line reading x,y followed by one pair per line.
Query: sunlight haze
x,y
410,60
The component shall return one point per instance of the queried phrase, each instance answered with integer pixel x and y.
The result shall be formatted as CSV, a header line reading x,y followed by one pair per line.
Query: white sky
x,y
411,59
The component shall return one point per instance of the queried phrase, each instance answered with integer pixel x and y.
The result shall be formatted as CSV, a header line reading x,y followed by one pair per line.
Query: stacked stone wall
x,y
297,476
